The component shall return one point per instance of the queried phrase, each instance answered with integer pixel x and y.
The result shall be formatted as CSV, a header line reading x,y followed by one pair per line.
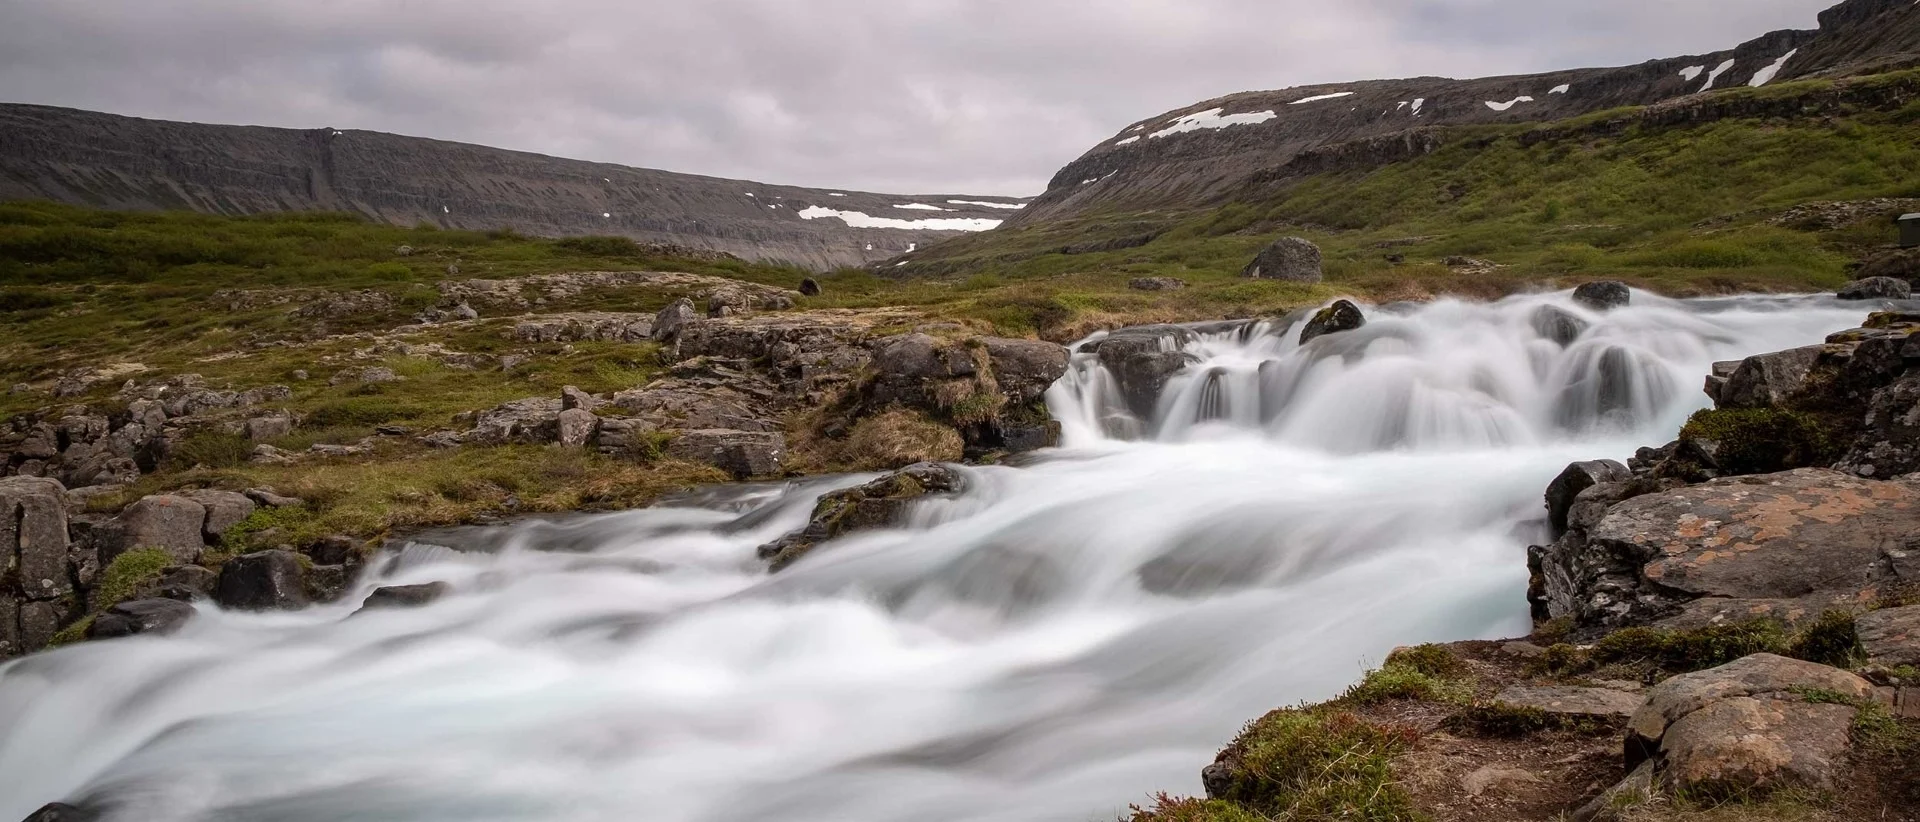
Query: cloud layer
x,y
915,96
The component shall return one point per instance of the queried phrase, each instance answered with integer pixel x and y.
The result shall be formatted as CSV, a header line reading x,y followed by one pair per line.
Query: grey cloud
x,y
972,96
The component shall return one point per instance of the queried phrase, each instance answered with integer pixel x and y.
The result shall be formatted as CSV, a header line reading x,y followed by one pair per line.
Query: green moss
x,y
1829,640
1317,764
210,449
1432,660
127,574
1187,809
1426,672
1761,440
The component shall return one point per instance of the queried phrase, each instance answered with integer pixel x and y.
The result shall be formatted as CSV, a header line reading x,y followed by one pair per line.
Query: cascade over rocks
x,y
881,503
1603,295
1289,258
146,616
1142,360
1558,324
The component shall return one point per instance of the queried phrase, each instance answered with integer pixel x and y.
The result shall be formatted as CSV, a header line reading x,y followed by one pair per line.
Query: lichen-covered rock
x,y
1156,284
743,454
586,327
1745,728
532,420
1888,443
33,538
667,324
577,427
1288,258
877,504
262,581
1603,295
1343,315
1777,537
1891,636
1025,369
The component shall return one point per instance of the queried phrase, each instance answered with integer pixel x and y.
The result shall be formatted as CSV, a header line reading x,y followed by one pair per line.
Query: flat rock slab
x,y
1568,700
1891,637
1780,536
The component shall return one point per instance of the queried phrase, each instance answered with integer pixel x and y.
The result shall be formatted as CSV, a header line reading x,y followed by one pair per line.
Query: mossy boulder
x,y
881,503
1741,441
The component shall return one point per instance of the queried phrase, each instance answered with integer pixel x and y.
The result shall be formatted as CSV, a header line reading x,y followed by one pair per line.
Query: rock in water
x,y
1142,359
1603,295
1558,325
262,581
1877,288
147,616
878,504
1288,258
1341,316
62,812
405,596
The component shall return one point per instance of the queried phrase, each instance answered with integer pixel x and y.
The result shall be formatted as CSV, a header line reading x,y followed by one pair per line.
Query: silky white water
x,y
1065,638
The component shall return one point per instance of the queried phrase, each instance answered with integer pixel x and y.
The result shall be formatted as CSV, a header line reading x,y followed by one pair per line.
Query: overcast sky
x,y
904,96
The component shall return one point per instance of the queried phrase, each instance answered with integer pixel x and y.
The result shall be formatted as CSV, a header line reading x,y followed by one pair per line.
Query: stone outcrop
x,y
36,570
104,160
877,504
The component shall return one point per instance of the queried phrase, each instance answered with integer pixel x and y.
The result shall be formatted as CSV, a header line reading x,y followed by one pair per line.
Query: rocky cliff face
x,y
1209,152
109,161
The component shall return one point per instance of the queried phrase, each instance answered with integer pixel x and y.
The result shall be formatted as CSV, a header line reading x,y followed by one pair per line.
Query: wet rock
x,y
1803,535
881,503
225,509
1603,295
1744,729
405,596
146,616
744,454
667,324
334,550
1558,324
577,427
1156,284
170,523
33,538
1142,360
1877,288
1288,258
61,812
810,287
1343,315
266,580
1573,702
1578,477
1891,636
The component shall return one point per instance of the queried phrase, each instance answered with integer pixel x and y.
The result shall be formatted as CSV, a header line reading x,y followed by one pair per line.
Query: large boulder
x,y
1288,258
577,427
146,616
1603,295
1776,544
1768,380
1343,315
1746,728
881,503
170,523
1142,359
262,581
743,454
33,537
667,324
1877,288
225,509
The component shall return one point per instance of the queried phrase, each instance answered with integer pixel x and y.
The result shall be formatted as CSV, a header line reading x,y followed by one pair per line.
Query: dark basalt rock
x,y
1558,324
262,581
1577,478
877,504
405,596
61,812
1877,288
1142,360
147,616
1604,295
1341,316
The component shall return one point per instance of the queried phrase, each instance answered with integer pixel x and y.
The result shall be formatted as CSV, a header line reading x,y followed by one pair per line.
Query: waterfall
x,y
1060,640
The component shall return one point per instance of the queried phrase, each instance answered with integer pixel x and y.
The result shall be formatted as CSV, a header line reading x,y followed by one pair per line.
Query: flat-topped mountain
x,y
1212,151
109,161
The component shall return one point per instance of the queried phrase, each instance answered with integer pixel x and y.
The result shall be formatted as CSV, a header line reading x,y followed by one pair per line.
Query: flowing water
x,y
1062,640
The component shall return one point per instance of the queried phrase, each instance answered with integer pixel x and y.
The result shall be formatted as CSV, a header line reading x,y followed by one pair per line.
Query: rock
x,y
146,616
572,398
268,428
881,503
1888,443
1636,790
225,509
369,375
301,375
1024,369
1288,258
267,497
1142,359
810,287
1343,315
1791,536
261,581
20,389
744,454
39,621
667,324
173,524
1558,324
586,327
334,550
405,596
577,427
186,583
1891,636
1493,776
1573,702
264,454
1877,288
532,420
1744,729
1578,477
33,539
61,812
1899,265
1767,380
1603,295
1156,284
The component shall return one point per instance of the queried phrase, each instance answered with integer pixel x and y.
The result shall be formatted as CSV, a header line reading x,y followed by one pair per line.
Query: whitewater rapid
x,y
1064,639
